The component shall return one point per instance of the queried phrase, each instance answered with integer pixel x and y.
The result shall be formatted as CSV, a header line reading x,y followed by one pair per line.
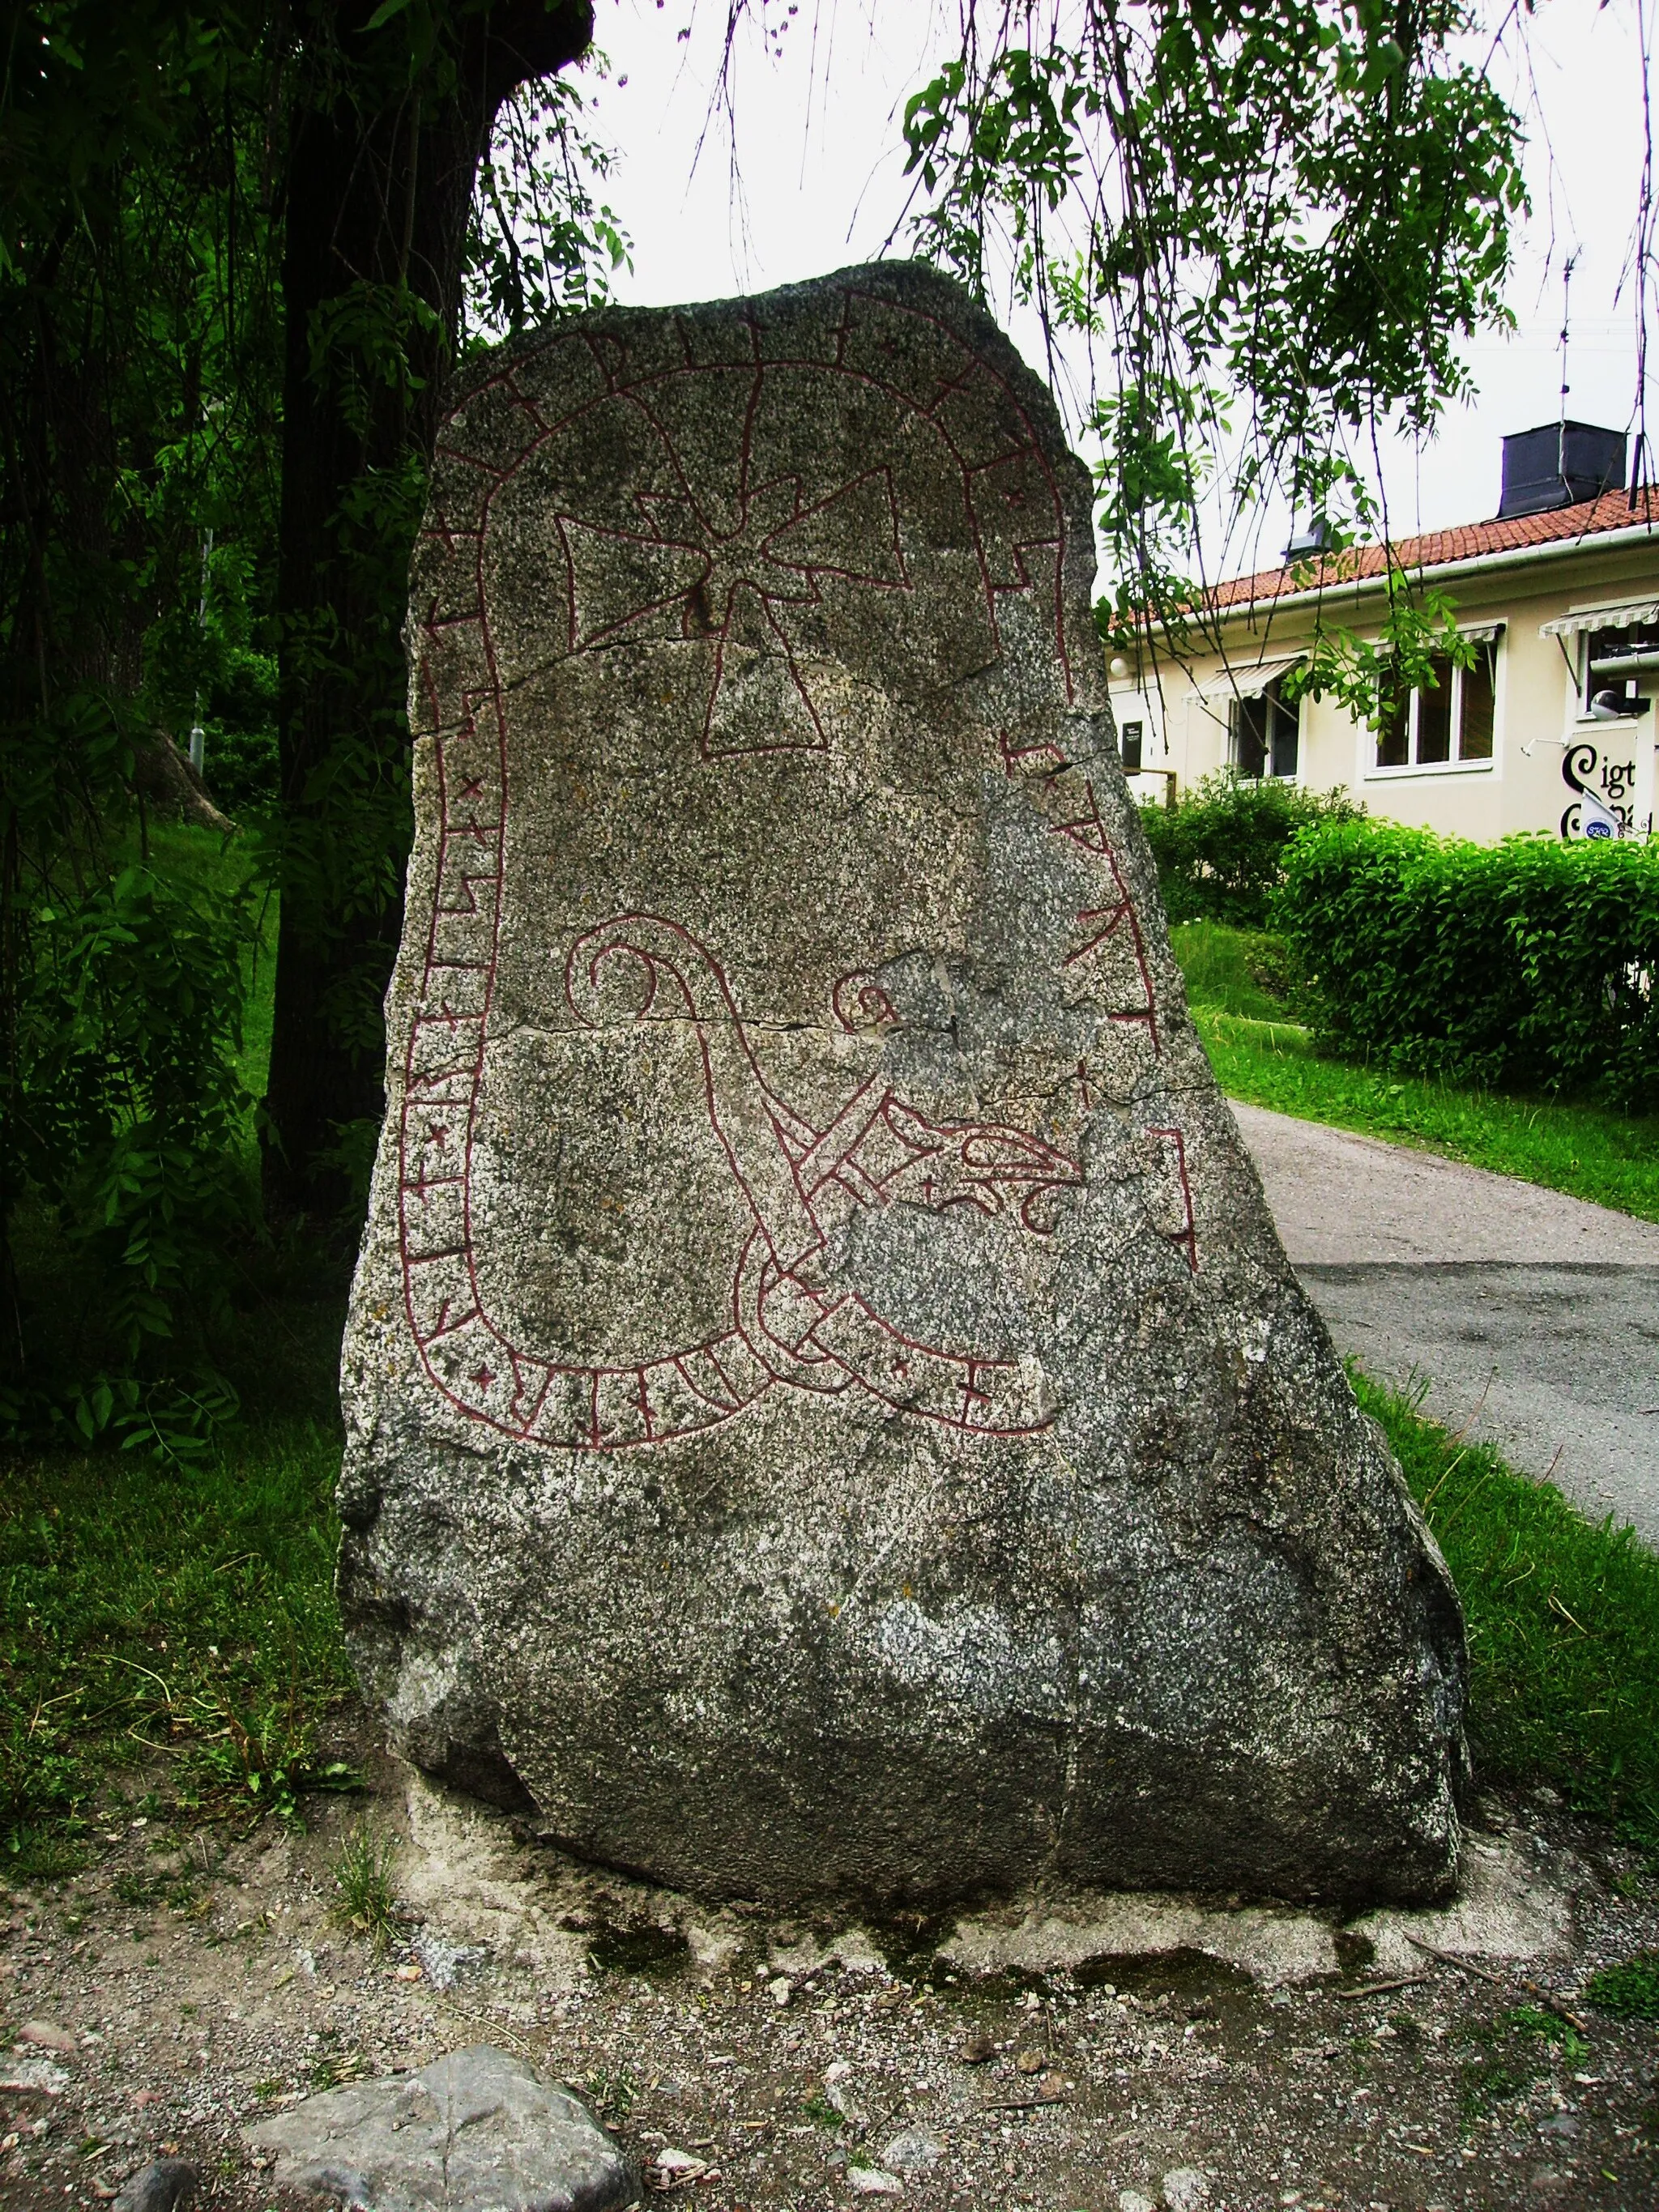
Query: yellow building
x,y
1562,605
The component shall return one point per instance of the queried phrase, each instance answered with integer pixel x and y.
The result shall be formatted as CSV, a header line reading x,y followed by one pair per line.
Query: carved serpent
x,y
801,1183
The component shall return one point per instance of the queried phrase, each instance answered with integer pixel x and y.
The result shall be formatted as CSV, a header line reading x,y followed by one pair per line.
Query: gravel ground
x,y
192,1978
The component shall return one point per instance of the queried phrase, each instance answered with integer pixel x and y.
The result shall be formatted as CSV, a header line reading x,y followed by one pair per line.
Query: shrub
x,y
240,767
1220,849
1527,965
1630,1991
240,727
123,1121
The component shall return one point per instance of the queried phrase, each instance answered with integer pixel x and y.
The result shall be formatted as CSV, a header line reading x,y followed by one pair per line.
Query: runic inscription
x,y
798,1181
744,566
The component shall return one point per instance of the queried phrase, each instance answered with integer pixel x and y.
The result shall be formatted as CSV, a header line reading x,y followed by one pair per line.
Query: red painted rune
x,y
739,587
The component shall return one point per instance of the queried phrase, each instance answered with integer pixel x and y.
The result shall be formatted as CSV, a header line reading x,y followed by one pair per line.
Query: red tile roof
x,y
1469,541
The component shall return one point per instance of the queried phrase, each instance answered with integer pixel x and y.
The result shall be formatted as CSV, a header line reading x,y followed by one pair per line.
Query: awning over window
x,y
1480,633
1246,683
1625,616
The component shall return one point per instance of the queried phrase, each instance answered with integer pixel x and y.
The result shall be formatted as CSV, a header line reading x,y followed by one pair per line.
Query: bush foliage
x,y
1220,849
130,1131
1527,965
204,522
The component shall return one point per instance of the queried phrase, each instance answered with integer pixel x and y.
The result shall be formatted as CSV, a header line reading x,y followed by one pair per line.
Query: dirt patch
x,y
1038,2055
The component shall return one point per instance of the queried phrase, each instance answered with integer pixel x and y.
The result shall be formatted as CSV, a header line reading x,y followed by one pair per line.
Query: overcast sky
x,y
818,183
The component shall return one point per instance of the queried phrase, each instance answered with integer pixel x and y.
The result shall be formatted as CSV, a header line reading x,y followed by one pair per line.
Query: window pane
x,y
1282,726
1434,712
1612,656
1393,730
1475,734
1251,737
1640,641
1128,746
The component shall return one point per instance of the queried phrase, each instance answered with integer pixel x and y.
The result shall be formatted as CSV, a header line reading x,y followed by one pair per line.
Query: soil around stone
x,y
1055,2051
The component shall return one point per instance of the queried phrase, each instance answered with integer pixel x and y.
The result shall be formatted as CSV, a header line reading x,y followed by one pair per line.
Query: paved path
x,y
1533,1317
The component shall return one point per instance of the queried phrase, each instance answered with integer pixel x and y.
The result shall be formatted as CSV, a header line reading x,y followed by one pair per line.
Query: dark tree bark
x,y
380,179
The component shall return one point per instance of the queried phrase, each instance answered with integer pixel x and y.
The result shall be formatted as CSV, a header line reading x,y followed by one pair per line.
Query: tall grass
x,y
1563,1622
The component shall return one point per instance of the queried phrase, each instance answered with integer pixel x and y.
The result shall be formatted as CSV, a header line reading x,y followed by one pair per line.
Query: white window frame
x,y
1375,772
1298,774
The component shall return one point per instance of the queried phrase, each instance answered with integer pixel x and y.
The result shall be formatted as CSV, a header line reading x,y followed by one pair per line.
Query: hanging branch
x,y
1272,222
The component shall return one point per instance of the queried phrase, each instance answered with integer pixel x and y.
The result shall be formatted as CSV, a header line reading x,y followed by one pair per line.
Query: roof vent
x,y
1559,465
1307,544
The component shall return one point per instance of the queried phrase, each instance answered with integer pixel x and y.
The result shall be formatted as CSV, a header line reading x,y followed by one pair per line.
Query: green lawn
x,y
183,1611
183,1614
1235,970
1266,1060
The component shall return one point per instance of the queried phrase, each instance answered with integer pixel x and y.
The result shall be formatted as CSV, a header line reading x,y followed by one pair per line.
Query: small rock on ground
x,y
39,2075
476,2131
165,2184
1186,2189
913,2152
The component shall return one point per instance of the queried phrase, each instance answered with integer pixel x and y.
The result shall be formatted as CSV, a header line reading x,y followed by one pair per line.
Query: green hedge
x,y
1530,965
1220,849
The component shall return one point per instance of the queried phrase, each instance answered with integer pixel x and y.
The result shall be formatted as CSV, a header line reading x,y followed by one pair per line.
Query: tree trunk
x,y
380,179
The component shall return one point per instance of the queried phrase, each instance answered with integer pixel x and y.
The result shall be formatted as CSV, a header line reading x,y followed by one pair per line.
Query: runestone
x,y
828,1411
